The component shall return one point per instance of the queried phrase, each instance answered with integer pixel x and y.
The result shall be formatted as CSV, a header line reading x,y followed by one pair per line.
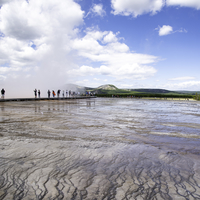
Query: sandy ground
x,y
100,149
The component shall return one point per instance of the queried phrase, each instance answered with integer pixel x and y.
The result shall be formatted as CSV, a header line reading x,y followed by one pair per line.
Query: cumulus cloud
x,y
114,57
164,30
34,41
110,37
40,46
184,3
135,7
35,20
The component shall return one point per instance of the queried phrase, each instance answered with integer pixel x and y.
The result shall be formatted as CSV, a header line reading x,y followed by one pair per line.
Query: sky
x,y
45,44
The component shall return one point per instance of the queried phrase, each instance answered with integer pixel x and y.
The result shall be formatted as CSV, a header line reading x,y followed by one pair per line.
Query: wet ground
x,y
100,149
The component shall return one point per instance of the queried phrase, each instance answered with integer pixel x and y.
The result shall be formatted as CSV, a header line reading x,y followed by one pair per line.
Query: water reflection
x,y
90,103
100,149
2,106
37,107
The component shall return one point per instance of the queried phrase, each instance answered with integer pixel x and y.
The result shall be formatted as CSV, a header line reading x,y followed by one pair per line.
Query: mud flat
x,y
100,149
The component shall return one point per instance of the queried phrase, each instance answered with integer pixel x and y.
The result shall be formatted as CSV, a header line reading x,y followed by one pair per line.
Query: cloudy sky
x,y
45,44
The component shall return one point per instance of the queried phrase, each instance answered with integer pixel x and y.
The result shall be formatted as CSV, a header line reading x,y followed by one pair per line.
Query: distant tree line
x,y
197,96
148,95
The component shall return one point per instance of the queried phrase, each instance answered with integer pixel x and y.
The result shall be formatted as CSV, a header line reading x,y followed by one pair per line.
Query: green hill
x,y
110,90
154,91
107,87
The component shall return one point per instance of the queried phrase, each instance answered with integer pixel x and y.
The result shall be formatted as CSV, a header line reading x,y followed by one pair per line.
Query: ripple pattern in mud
x,y
119,171
47,156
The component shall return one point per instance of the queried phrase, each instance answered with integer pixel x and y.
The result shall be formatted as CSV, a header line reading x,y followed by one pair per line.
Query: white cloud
x,y
135,7
187,85
37,33
114,57
98,10
39,47
110,37
37,19
182,30
182,78
140,7
165,30
184,3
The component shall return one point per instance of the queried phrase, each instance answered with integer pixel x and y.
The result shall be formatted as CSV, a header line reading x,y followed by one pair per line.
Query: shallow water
x,y
100,149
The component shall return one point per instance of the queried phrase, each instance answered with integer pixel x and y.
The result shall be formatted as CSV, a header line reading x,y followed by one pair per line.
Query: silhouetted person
x,y
49,93
53,93
58,93
63,93
39,93
2,93
35,91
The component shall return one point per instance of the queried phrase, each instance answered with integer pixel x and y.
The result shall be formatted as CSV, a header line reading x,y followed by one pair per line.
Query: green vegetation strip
x,y
169,95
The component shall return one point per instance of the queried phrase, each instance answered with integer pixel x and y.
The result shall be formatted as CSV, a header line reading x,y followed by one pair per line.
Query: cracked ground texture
x,y
100,149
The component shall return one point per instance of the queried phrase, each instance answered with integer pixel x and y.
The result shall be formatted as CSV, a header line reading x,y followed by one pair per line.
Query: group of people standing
x,y
53,93
36,92
64,93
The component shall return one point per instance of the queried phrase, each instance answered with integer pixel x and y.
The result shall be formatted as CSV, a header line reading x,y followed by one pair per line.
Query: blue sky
x,y
45,44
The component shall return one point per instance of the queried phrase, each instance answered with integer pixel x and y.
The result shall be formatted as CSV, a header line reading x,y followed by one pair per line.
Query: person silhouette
x,y
2,93
35,91
53,93
39,93
49,93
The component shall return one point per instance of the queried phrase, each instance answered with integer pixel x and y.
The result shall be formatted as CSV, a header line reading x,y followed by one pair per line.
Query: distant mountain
x,y
112,89
107,87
